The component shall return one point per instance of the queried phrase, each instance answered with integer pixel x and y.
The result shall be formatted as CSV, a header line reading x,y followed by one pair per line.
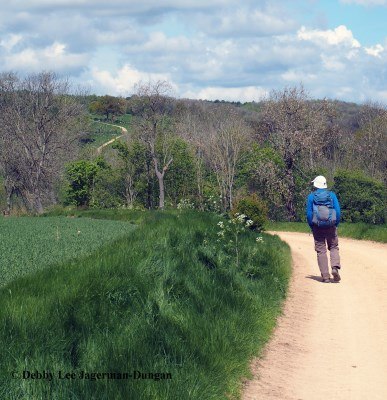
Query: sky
x,y
207,49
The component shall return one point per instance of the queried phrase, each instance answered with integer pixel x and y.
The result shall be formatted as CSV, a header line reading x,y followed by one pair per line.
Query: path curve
x,y
123,130
331,340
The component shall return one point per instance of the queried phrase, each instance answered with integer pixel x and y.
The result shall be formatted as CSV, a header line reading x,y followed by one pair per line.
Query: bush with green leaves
x,y
362,199
80,175
254,208
108,189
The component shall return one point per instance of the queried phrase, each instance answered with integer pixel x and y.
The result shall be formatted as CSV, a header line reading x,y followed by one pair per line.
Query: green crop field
x,y
29,243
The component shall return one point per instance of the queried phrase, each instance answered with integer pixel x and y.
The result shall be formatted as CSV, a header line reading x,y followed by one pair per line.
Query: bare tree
x,y
153,107
41,123
371,140
228,136
194,125
297,128
219,134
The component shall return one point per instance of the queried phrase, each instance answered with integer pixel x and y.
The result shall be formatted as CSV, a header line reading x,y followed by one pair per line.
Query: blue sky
x,y
207,49
368,23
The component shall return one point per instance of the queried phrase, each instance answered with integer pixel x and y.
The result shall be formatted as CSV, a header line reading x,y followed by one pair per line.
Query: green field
x,y
29,243
167,297
102,133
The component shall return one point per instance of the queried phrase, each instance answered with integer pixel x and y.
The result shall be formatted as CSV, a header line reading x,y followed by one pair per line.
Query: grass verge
x,y
167,298
361,231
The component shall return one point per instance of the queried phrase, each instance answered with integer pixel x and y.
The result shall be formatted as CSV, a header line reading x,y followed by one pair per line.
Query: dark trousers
x,y
326,238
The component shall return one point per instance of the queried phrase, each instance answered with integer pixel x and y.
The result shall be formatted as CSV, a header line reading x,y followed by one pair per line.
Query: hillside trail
x,y
123,130
331,339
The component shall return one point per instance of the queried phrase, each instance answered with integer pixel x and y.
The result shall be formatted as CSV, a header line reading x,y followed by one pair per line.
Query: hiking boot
x,y
336,275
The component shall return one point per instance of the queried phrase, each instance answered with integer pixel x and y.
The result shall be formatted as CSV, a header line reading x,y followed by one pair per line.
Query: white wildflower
x,y
241,218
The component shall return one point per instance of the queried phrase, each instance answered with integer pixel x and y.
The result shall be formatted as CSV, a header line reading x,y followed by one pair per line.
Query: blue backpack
x,y
324,214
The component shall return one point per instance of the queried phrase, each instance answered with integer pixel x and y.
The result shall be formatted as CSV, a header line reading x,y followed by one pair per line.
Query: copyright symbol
x,y
14,375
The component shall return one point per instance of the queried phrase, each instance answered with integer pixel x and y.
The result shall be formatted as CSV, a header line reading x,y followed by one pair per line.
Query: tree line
x,y
187,153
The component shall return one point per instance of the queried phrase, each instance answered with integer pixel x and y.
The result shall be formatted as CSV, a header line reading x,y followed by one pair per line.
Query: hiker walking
x,y
323,216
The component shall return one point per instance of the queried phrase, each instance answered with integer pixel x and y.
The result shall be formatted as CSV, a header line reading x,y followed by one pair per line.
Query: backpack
x,y
324,214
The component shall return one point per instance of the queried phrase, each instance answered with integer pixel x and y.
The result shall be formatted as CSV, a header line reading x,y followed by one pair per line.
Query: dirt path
x,y
331,341
124,132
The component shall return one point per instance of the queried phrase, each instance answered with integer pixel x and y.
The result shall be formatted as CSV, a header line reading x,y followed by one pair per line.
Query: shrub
x,y
107,189
362,198
254,208
80,176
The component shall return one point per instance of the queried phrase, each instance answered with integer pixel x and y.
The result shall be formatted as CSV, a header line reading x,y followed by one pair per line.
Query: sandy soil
x,y
331,341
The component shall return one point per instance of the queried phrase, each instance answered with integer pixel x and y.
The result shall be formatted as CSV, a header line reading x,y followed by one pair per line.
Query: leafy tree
x,y
263,172
134,170
107,188
109,106
81,177
362,198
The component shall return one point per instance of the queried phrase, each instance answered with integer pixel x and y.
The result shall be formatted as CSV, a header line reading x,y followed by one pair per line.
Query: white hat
x,y
320,182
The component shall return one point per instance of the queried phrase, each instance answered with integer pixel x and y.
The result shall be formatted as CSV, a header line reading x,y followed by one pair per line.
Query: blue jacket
x,y
309,208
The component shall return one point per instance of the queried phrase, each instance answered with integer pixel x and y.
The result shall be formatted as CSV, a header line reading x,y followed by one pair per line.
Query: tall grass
x,y
167,298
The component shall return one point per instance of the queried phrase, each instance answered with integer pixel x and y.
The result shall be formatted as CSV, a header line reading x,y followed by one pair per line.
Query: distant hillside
x,y
347,113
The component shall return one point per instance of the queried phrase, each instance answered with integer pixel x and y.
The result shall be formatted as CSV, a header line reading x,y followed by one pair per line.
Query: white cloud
x,y
123,81
338,36
55,50
53,57
375,50
211,49
159,42
247,22
242,94
298,75
10,41
332,63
